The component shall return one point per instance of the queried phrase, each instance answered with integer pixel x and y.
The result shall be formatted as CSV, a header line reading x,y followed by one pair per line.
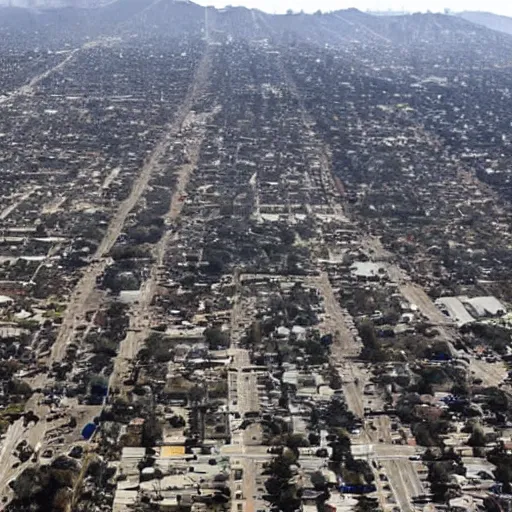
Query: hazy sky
x,y
497,6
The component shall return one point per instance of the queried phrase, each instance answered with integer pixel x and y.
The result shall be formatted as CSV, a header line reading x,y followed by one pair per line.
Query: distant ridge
x,y
489,20
388,13
75,23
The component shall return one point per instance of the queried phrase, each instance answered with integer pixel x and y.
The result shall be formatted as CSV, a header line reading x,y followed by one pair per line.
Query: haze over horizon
x,y
281,6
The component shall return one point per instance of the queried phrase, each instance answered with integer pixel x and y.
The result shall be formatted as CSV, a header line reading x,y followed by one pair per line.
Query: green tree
x,y
294,441
254,335
477,436
366,504
503,471
318,480
152,431
19,387
498,401
372,349
196,394
216,338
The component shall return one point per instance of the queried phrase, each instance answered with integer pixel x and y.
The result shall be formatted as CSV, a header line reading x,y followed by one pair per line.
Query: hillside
x,y
489,20
175,18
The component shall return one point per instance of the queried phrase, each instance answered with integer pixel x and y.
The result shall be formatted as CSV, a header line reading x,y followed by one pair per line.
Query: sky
x,y
497,6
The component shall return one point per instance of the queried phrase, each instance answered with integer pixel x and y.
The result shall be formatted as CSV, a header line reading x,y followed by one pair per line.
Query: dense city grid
x,y
254,262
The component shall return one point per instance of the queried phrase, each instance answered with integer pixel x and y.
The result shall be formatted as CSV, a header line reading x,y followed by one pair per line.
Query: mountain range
x,y
489,20
467,33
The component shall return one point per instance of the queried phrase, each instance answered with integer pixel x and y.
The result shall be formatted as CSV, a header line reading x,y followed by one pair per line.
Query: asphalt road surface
x,y
404,481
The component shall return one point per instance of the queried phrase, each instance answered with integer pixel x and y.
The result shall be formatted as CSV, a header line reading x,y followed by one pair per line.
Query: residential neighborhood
x,y
253,262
